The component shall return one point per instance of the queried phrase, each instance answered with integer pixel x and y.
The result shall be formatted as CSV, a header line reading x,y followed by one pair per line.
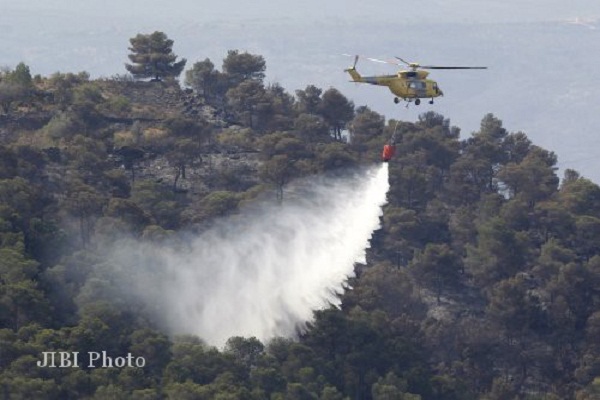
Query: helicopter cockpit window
x,y
416,85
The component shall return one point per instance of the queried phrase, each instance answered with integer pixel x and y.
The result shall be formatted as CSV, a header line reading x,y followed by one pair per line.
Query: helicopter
x,y
407,84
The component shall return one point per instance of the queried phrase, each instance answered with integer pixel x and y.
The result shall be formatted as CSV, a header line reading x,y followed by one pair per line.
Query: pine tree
x,y
152,57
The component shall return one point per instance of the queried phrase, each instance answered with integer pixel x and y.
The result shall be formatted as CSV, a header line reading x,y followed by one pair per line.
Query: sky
x,y
542,55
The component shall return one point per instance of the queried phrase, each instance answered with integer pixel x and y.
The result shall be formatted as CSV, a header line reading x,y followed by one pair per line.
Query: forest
x,y
483,282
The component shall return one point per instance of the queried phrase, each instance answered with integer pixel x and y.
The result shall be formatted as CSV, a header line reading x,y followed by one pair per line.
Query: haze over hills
x,y
541,77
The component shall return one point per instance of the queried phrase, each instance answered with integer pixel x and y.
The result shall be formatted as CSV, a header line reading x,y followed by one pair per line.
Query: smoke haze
x,y
263,272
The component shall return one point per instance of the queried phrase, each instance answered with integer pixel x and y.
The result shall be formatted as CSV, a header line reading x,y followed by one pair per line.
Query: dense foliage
x,y
484,282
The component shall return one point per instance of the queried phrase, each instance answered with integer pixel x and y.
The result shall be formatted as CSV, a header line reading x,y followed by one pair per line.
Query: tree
x,y
309,100
335,155
532,179
85,203
184,151
20,76
580,195
152,57
391,387
243,66
61,86
249,101
22,303
280,114
11,93
157,200
202,77
475,171
245,350
153,346
337,111
311,129
15,86
489,261
512,307
366,125
439,266
278,170
219,203
387,288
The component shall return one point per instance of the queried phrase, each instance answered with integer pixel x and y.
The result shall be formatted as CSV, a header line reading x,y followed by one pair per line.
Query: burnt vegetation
x,y
483,283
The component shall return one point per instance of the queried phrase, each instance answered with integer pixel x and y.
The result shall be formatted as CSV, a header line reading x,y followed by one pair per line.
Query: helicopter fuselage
x,y
408,85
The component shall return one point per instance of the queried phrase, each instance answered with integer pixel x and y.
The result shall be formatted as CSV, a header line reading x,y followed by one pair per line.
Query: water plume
x,y
263,272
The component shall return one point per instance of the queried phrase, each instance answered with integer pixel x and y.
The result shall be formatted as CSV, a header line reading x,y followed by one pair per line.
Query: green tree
x,y
309,100
15,86
490,261
513,307
152,57
580,196
392,388
365,126
243,66
533,178
386,288
245,350
154,347
280,114
62,85
202,77
312,129
249,102
219,203
337,110
157,200
279,170
438,266
15,267
85,203
20,387
331,393
11,93
336,155
22,303
20,76
183,153
474,173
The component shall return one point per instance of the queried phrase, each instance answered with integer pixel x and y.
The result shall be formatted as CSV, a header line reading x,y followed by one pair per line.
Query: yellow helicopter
x,y
408,85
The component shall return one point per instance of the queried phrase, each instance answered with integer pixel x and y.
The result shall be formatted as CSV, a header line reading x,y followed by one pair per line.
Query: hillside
x,y
483,282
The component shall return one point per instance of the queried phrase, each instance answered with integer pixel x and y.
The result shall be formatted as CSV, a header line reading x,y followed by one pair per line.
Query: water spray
x,y
264,272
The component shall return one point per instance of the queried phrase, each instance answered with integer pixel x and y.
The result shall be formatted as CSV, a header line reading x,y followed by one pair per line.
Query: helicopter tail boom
x,y
354,74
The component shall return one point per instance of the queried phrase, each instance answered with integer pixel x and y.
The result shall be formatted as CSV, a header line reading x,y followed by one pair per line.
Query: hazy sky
x,y
432,10
542,77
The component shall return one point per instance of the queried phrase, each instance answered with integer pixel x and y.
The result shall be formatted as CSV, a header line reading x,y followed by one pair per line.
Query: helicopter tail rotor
x,y
355,60
352,70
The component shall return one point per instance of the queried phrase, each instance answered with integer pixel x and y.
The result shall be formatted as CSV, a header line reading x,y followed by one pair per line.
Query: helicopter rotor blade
x,y
404,61
382,61
436,67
